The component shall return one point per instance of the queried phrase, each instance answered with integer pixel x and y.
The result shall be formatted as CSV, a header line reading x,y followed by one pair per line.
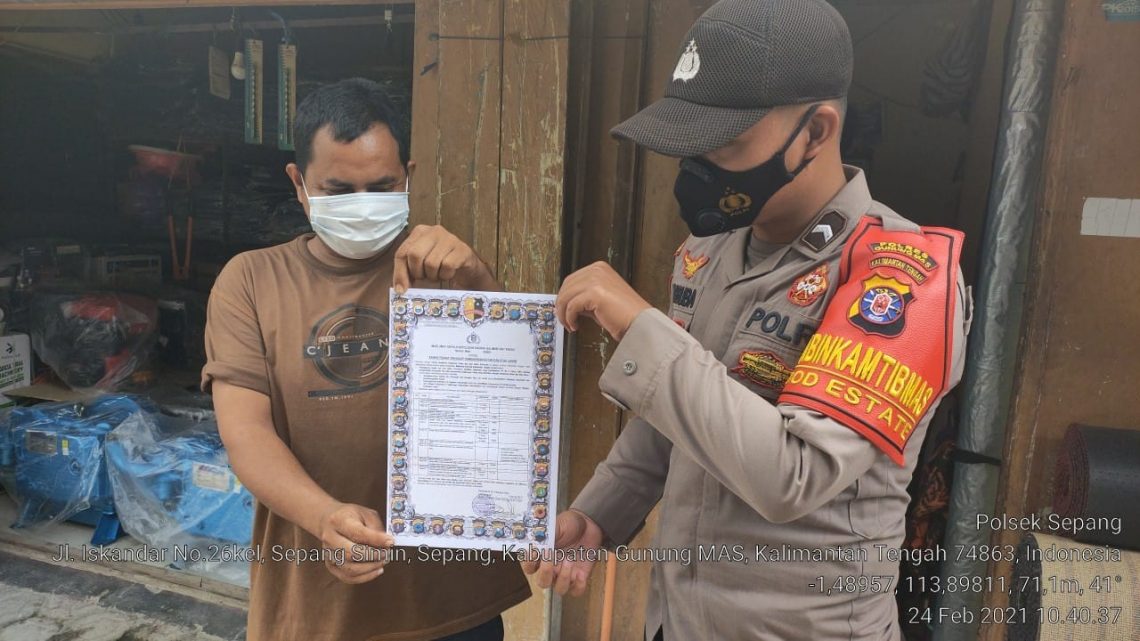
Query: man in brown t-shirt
x,y
297,346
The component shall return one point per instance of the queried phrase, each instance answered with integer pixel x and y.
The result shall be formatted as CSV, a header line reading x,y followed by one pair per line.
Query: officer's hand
x,y
356,542
431,253
576,532
598,292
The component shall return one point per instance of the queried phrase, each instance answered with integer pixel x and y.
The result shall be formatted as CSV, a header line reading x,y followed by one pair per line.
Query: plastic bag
x,y
94,340
57,466
7,454
174,490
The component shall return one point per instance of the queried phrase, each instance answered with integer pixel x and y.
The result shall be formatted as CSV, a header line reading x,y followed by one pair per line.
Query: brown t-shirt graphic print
x,y
349,347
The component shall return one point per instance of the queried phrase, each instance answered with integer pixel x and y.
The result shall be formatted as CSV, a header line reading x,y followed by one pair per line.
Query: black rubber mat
x,y
1097,476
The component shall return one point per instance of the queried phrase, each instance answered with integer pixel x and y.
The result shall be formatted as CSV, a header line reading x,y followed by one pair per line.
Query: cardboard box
x,y
52,391
15,364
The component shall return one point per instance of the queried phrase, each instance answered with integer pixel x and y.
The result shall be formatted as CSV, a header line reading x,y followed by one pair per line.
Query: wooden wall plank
x,y
530,181
1079,356
456,111
535,74
657,230
660,229
426,127
607,59
627,217
488,136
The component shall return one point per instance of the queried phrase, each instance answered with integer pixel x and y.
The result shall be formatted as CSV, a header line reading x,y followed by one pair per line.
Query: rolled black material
x,y
1062,590
1097,477
1025,598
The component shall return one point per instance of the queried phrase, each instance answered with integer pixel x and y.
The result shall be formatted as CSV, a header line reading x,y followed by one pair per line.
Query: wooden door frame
x,y
489,101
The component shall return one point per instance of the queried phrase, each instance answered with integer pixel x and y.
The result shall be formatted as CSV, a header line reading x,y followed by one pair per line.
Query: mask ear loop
x,y
804,119
304,188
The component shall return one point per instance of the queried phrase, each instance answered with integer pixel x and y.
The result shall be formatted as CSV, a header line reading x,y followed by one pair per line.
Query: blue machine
x,y
171,485
57,452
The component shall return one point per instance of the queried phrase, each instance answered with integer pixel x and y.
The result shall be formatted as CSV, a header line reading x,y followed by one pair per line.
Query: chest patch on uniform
x,y
763,368
808,288
776,324
684,296
881,356
692,264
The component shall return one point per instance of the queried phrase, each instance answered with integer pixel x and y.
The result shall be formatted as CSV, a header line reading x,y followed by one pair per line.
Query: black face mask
x,y
714,200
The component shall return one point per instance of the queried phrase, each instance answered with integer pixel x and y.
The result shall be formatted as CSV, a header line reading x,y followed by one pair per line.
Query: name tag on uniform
x,y
683,296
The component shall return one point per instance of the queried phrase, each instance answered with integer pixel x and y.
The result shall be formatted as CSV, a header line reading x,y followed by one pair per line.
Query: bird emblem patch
x,y
692,264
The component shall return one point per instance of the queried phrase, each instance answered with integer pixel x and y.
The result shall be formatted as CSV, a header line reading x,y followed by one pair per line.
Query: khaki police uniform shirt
x,y
764,498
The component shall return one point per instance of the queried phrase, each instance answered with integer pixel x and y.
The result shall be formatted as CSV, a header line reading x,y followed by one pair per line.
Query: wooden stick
x,y
608,598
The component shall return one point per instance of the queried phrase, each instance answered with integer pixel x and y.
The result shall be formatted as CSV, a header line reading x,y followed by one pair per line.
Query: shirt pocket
x,y
766,346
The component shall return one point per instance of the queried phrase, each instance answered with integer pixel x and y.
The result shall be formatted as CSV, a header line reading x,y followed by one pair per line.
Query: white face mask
x,y
358,225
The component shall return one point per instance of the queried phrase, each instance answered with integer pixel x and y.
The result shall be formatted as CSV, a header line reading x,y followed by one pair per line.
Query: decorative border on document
x,y
475,309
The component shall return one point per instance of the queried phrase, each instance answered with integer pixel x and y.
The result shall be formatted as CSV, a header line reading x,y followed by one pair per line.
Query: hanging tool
x,y
219,70
286,85
386,36
254,90
181,269
237,69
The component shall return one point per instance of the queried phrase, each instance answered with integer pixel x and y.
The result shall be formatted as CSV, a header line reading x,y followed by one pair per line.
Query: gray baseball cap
x,y
739,60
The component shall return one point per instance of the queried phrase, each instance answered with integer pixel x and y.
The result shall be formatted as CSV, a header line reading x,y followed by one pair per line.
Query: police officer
x,y
782,402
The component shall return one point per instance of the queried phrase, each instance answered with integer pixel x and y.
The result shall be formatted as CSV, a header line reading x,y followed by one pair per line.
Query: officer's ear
x,y
824,129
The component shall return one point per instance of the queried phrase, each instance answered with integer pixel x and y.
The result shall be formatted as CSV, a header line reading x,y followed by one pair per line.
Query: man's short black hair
x,y
351,107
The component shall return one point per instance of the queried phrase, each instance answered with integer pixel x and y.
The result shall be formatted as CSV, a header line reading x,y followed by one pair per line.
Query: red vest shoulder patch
x,y
881,356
